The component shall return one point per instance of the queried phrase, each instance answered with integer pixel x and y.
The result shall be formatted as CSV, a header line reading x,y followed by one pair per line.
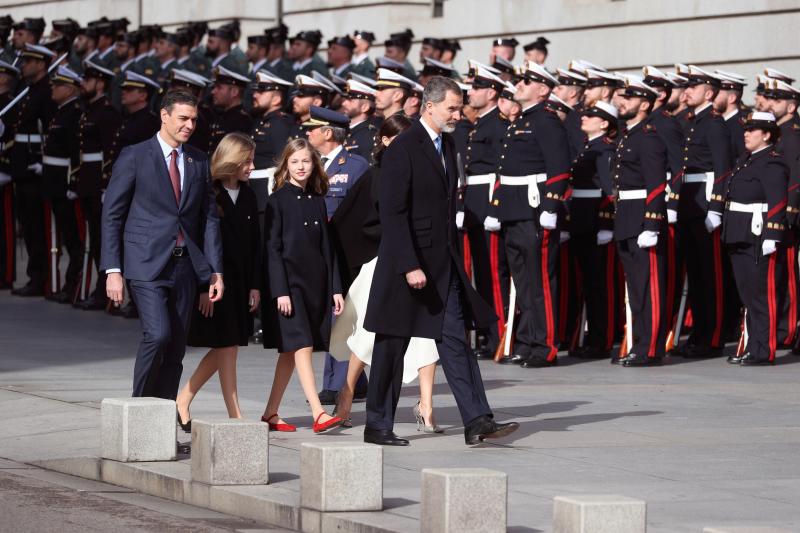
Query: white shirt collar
x,y
730,115
634,125
433,135
596,136
354,124
331,156
68,101
257,66
126,64
182,60
487,112
141,56
167,149
298,65
219,59
699,109
761,149
359,58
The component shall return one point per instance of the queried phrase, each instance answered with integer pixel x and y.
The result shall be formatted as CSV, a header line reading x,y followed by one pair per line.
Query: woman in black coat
x,y
225,325
303,279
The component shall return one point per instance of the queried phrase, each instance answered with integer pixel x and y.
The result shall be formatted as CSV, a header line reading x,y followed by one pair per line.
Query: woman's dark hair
x,y
394,125
177,97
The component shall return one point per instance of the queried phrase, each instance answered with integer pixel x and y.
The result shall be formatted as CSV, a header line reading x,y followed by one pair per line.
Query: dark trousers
x,y
490,272
646,276
460,368
760,280
92,210
597,268
165,307
533,259
68,236
8,260
788,304
335,375
703,254
30,210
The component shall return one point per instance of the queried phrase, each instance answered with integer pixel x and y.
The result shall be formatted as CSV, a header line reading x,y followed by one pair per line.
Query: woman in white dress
x,y
358,228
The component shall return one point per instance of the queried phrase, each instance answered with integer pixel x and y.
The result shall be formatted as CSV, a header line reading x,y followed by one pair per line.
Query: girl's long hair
x,y
317,181
232,154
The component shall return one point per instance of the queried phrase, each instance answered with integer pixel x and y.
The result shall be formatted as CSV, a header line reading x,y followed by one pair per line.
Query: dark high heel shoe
x,y
187,427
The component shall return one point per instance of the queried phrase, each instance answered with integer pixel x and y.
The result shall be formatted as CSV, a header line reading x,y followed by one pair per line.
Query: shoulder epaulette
x,y
649,128
774,153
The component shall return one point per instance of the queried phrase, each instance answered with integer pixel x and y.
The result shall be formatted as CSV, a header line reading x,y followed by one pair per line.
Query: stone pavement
x,y
703,442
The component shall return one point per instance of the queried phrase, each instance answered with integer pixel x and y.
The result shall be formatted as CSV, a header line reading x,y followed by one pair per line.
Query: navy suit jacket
x,y
343,172
141,218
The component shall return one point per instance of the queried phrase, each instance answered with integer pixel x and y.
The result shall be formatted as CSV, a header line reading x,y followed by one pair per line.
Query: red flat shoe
x,y
286,428
325,426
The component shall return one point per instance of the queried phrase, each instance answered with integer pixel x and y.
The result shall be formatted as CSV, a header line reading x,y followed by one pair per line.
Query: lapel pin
x,y
189,159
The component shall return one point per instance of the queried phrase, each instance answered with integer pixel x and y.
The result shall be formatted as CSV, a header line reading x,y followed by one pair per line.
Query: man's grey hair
x,y
339,134
437,88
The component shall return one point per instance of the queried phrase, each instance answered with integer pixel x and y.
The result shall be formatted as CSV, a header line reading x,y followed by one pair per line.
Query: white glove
x,y
604,236
672,216
564,237
647,239
4,179
72,195
36,168
713,221
491,224
548,220
769,246
460,220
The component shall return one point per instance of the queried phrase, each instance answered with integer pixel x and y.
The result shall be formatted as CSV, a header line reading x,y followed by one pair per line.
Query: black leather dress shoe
x,y
750,360
484,427
588,352
91,304
538,362
28,291
617,360
383,437
483,353
512,359
636,359
736,359
327,397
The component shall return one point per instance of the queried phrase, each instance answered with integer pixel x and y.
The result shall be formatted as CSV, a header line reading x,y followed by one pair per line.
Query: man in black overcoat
x,y
420,288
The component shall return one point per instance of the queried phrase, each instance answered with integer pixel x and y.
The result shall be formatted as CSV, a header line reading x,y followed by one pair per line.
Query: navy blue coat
x,y
141,218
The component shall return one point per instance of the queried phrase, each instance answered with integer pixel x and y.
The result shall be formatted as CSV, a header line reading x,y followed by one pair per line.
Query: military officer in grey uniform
x,y
361,62
276,56
303,54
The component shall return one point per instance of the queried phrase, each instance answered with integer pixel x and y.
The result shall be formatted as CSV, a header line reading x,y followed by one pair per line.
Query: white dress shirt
x,y
167,150
331,156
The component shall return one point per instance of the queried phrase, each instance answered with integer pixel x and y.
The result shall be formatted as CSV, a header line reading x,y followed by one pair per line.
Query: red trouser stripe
x,y
467,257
671,274
548,303
715,338
497,293
791,255
655,303
610,311
8,220
772,307
563,295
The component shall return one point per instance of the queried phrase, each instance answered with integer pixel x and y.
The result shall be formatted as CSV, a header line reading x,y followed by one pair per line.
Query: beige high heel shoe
x,y
421,426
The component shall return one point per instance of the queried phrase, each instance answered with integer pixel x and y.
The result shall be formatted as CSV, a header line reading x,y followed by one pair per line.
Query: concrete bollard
x,y
599,514
744,529
341,476
230,452
138,429
463,500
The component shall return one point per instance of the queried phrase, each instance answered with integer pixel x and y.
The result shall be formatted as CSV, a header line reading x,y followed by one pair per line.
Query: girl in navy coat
x,y
302,279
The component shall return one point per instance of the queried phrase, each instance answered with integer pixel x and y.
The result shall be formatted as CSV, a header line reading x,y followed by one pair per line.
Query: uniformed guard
x,y
60,161
506,68
271,130
537,50
106,36
167,48
600,86
534,175
276,57
340,55
480,159
7,52
195,84
237,56
200,61
390,64
308,92
450,47
695,202
640,180
218,48
397,47
570,89
9,78
227,96
361,62
504,47
303,53
754,225
432,67
33,114
676,103
729,104
509,108
412,104
126,47
96,130
327,131
393,90
359,106
257,52
782,100
28,31
68,30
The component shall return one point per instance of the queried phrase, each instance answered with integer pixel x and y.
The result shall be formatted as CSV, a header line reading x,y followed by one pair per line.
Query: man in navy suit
x,y
420,288
161,232
327,132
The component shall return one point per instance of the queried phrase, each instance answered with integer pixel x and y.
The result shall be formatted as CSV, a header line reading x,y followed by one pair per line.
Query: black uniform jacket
x,y
735,126
758,179
670,132
640,163
33,114
228,121
789,146
98,125
483,153
61,143
361,139
417,213
592,170
270,133
136,127
535,143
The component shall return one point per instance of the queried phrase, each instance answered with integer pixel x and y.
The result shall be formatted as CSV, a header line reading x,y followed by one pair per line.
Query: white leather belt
x,y
532,181
91,157
481,179
587,193
262,173
757,210
636,194
55,161
32,138
702,177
